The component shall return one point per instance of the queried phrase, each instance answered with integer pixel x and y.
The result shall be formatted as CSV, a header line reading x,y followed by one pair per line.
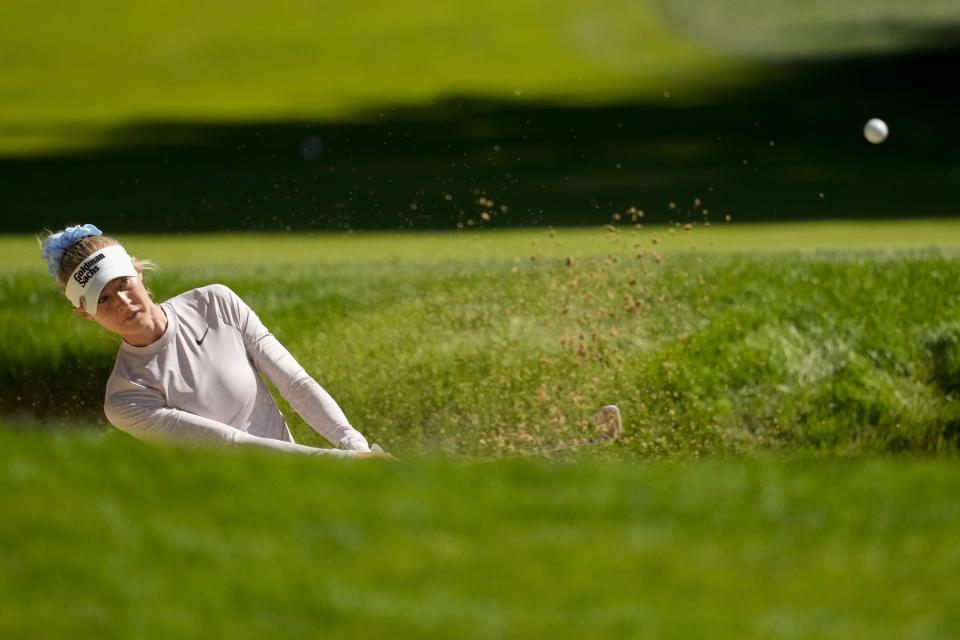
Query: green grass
x,y
103,537
75,72
776,29
788,470
444,344
75,75
200,250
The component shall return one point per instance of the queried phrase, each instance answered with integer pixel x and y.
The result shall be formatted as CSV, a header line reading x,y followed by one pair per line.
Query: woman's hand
x,y
374,454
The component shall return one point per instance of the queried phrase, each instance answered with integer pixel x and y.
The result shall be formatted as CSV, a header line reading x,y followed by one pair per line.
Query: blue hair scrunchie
x,y
55,245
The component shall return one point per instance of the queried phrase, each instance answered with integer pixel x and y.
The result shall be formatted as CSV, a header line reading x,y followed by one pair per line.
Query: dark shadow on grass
x,y
42,389
789,148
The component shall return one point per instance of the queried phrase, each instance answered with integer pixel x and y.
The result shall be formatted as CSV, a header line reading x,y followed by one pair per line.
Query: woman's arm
x,y
141,412
304,394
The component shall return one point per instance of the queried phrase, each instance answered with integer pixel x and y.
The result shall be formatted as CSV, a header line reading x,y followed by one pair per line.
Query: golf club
x,y
608,421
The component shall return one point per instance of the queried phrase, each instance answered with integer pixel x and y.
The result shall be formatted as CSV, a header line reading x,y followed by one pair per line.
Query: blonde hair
x,y
77,253
82,249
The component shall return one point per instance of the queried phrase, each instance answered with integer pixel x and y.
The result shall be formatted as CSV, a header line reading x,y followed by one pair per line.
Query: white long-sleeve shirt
x,y
199,382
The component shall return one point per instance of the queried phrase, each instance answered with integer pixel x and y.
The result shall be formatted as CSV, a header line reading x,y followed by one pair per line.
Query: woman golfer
x,y
188,368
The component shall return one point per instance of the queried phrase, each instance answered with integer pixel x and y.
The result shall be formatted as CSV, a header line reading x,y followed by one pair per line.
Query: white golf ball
x,y
875,130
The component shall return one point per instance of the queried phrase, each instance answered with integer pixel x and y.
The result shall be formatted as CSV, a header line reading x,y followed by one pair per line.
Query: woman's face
x,y
123,306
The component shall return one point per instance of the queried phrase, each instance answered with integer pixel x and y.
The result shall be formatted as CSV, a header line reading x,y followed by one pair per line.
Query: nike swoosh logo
x,y
203,337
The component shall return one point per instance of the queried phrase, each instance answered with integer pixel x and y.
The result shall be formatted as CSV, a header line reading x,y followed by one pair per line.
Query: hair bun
x,y
57,243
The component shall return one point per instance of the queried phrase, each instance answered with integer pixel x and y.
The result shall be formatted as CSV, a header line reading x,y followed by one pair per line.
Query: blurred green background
x,y
182,116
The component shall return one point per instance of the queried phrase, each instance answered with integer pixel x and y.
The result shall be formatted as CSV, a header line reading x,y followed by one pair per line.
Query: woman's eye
x,y
101,299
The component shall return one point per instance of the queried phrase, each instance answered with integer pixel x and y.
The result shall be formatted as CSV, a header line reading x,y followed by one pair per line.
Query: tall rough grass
x,y
843,352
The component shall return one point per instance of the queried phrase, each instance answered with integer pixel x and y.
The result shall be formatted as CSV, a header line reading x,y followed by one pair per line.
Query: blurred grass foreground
x,y
113,539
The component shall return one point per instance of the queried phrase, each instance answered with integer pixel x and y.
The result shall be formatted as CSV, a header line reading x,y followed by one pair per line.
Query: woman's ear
x,y
82,313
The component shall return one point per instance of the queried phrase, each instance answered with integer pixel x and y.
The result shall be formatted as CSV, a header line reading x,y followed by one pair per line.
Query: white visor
x,y
93,274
